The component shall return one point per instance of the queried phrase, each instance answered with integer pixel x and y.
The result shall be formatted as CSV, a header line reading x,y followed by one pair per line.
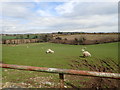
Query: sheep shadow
x,y
81,56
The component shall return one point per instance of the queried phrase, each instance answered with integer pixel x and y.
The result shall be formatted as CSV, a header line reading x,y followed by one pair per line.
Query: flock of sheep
x,y
84,52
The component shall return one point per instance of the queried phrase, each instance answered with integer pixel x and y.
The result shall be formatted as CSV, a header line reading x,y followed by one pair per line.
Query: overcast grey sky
x,y
70,16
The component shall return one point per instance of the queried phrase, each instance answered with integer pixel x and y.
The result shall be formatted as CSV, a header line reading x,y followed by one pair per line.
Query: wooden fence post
x,y
61,76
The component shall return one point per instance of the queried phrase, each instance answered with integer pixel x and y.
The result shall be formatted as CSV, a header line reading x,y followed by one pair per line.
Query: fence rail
x,y
61,72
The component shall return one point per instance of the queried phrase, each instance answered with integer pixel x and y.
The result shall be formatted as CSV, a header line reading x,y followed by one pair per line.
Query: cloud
x,y
67,16
66,8
17,10
43,13
59,0
73,9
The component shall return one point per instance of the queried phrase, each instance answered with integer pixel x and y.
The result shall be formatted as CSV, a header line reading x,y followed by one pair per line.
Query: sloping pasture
x,y
65,56
35,55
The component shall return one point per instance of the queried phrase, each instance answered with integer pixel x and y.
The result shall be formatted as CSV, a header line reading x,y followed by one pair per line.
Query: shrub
x,y
58,38
79,41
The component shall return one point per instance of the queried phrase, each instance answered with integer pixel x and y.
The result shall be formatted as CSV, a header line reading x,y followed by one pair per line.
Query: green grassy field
x,y
19,37
8,37
35,55
64,55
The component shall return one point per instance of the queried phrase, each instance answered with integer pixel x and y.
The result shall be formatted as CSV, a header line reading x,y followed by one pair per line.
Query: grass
x,y
90,36
31,36
35,56
8,37
18,75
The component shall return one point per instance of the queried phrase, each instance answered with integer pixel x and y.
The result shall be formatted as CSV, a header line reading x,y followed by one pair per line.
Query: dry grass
x,y
90,36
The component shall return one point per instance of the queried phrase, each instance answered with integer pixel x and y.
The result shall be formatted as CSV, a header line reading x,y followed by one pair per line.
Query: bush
x,y
58,38
35,37
79,41
46,38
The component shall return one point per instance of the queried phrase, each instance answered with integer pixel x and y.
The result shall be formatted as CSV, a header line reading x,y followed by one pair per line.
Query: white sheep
x,y
86,53
49,51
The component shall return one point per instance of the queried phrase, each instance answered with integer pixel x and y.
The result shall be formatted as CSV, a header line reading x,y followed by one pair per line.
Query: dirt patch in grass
x,y
94,82
29,79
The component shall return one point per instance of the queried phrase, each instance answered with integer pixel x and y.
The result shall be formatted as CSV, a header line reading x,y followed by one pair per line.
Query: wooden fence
x,y
61,72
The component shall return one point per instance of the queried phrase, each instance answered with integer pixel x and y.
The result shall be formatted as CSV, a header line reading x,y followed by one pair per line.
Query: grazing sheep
x,y
49,51
86,53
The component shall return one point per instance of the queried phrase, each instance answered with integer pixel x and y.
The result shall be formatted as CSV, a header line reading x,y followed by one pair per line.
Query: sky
x,y
50,16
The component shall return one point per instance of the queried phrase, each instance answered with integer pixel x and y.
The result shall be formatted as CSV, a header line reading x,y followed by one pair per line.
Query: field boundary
x,y
61,72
